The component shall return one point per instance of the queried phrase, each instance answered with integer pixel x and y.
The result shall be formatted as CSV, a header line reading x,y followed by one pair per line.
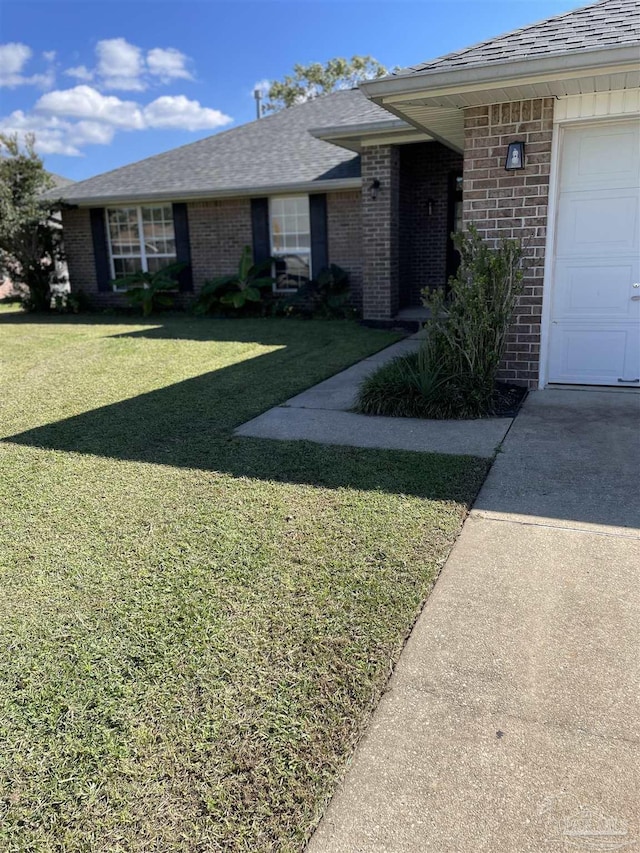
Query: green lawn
x,y
194,628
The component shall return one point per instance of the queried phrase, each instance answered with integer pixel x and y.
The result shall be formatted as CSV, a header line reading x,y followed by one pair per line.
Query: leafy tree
x,y
309,81
30,235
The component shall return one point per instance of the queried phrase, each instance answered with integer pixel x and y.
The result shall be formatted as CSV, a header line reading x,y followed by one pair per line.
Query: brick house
x,y
376,180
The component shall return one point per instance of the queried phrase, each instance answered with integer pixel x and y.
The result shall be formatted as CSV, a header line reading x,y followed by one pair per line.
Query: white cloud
x,y
123,66
85,102
80,72
177,111
66,120
168,64
14,56
120,65
55,135
49,55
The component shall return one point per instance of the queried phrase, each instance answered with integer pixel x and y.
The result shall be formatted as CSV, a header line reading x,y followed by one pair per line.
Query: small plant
x,y
70,302
326,296
148,290
454,374
239,290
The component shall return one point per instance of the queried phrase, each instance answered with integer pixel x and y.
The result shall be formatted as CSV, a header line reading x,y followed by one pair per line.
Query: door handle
x,y
635,298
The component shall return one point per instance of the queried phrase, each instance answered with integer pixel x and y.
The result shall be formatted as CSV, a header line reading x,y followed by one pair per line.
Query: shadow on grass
x,y
189,424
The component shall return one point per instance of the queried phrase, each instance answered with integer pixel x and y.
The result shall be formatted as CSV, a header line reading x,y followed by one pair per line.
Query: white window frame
x,y
143,252
276,254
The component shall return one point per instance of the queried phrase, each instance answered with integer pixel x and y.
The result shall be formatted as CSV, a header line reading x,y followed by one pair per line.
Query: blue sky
x,y
107,82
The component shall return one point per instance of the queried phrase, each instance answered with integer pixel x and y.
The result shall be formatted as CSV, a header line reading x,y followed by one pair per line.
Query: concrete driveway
x,y
512,722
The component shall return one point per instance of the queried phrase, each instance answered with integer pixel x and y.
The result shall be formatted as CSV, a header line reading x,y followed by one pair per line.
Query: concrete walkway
x,y
322,414
511,723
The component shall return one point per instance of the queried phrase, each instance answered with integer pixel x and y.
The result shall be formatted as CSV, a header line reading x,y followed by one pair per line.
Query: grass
x,y
194,628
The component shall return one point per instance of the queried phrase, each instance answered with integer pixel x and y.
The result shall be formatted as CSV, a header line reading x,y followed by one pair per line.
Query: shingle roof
x,y
275,150
609,23
60,180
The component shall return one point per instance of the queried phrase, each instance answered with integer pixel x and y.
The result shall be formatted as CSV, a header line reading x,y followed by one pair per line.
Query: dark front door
x,y
454,224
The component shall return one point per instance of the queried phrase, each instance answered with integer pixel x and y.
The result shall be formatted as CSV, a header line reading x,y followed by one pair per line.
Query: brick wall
x,y
344,227
218,230
513,204
380,232
78,247
425,170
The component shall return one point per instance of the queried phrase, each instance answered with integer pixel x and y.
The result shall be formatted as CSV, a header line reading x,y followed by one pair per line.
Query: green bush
x,y
236,292
454,373
326,296
148,290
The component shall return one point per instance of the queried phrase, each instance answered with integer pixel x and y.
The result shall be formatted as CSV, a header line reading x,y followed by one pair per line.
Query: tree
x,y
30,233
309,81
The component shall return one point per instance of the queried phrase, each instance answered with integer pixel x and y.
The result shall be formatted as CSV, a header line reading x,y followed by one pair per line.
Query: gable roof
x,y
608,23
276,151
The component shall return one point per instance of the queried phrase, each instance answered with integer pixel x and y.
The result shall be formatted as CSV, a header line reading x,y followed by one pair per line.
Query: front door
x,y
595,314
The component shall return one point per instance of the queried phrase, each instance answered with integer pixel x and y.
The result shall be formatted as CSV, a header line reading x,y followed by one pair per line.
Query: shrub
x,y
148,290
454,373
238,291
71,302
326,296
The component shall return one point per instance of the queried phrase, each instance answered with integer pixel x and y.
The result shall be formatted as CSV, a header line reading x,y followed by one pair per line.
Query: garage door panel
x,y
594,332
588,355
596,290
601,156
597,222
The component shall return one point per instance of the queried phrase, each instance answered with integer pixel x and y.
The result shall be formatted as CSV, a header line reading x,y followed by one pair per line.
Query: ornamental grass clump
x,y
454,373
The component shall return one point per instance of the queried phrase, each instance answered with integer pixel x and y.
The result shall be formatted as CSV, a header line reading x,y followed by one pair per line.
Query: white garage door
x,y
595,315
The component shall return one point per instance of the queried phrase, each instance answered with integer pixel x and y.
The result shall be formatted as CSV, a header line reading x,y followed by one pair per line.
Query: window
x,y
140,238
290,241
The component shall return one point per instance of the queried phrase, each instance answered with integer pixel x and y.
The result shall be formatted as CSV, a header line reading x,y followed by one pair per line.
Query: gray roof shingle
x,y
609,23
277,149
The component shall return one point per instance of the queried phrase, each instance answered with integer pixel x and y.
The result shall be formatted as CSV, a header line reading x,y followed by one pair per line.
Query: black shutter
x,y
260,229
318,218
100,250
183,245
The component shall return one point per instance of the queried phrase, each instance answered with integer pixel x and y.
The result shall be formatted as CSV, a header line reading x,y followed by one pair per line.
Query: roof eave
x,y
314,186
586,61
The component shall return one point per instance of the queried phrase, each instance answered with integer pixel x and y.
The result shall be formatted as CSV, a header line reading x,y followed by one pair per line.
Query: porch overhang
x,y
433,100
355,137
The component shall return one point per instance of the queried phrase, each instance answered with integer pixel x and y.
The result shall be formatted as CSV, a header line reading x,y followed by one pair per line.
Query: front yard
x,y
194,628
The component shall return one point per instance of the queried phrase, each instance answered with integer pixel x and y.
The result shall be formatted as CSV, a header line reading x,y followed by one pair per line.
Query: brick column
x,y
380,232
513,204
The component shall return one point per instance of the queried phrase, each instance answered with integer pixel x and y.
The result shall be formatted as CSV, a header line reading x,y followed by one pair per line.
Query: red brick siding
x,y
344,227
380,231
513,204
218,231
78,247
425,169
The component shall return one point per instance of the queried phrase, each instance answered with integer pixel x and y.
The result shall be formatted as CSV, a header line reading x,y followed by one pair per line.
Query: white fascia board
x,y
310,187
347,130
498,72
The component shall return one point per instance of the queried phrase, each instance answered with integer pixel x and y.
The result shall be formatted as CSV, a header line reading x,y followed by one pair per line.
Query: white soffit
x,y
439,112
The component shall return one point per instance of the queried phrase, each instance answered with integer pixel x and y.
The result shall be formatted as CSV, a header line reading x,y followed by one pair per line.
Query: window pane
x,y
123,231
290,240
126,266
292,270
158,230
155,263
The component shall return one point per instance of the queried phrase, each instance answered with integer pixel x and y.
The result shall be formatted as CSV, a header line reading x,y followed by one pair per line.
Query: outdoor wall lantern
x,y
515,157
373,188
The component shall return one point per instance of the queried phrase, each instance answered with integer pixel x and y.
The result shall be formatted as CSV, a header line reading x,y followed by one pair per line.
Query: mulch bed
x,y
507,399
